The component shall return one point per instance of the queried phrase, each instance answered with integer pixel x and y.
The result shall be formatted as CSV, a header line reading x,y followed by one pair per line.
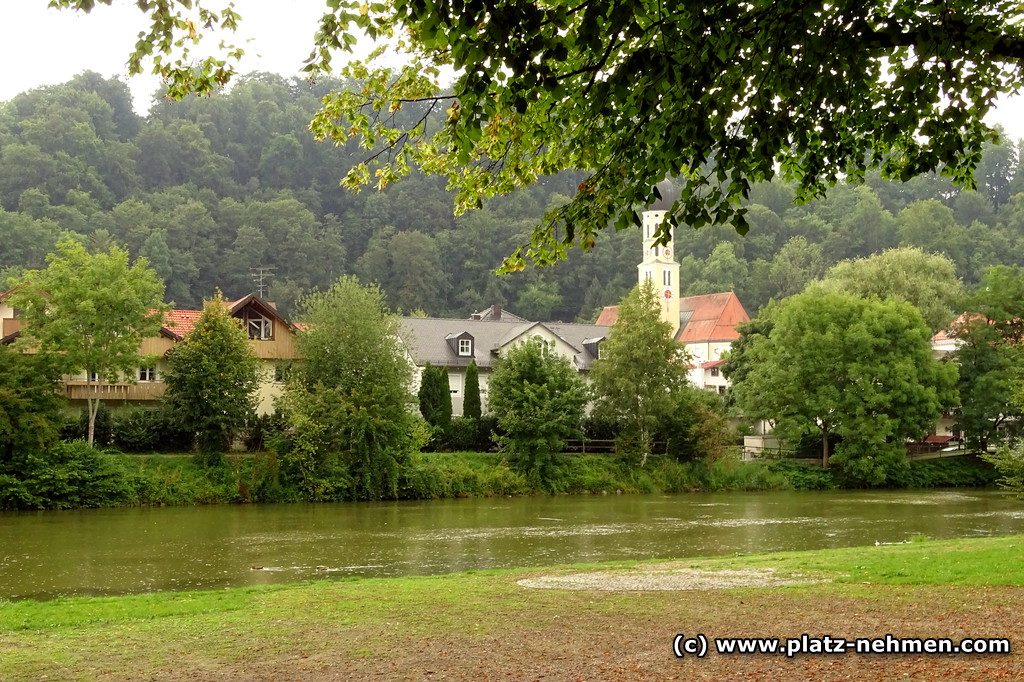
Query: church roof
x,y
710,317
703,318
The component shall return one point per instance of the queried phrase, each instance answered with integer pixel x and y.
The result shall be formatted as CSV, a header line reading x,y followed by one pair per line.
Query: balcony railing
x,y
144,390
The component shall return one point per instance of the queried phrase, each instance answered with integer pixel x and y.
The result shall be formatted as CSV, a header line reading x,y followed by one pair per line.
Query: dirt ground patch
x,y
652,578
628,636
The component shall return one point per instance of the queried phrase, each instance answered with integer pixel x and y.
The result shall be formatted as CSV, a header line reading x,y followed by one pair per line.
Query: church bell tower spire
x,y
659,267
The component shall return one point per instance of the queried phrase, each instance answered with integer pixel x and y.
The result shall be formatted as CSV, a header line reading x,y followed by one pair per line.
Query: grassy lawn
x,y
483,625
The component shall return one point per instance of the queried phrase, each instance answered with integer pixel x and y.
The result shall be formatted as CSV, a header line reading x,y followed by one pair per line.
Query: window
x,y
714,371
94,377
147,373
666,278
648,275
600,351
465,347
721,390
259,329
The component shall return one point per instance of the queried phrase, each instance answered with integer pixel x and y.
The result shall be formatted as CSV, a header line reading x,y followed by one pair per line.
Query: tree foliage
x,y
212,377
719,97
927,281
203,188
93,310
538,399
435,396
990,359
347,404
842,367
30,407
471,400
642,369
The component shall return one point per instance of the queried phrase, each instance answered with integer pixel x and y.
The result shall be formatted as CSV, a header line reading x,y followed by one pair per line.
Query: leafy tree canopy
x,y
347,403
840,366
928,281
642,368
718,96
30,407
537,397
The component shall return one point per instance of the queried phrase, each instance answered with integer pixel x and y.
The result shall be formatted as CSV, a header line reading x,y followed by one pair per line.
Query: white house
x,y
486,336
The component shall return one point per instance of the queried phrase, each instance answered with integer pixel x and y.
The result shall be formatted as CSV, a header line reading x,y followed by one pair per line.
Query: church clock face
x,y
668,293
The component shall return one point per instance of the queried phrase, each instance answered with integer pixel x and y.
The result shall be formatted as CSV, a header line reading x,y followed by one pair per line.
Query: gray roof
x,y
426,339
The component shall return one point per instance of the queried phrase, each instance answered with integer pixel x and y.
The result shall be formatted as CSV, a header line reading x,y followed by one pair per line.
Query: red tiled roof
x,y
713,317
608,316
938,439
711,364
181,322
956,325
708,317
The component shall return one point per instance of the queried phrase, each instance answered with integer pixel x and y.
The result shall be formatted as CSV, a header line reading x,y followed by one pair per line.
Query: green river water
x,y
117,551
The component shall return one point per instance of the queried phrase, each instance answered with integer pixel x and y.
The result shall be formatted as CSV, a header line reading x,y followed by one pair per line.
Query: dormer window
x,y
465,347
601,354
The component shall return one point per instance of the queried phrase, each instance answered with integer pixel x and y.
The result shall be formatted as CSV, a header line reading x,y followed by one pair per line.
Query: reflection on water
x,y
135,550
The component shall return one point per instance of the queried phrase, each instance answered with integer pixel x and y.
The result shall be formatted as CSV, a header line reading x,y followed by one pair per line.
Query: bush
x,y
458,435
78,429
486,430
261,430
68,476
140,430
596,427
803,476
950,472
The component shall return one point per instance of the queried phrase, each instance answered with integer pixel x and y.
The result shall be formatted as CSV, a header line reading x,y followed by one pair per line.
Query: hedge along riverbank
x,y
72,475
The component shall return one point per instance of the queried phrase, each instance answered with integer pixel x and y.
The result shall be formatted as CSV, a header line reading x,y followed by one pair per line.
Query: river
x,y
118,551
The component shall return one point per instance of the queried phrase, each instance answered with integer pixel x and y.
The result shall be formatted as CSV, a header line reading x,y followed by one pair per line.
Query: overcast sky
x,y
43,46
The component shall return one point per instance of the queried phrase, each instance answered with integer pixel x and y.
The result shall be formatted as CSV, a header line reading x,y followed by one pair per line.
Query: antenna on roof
x,y
261,277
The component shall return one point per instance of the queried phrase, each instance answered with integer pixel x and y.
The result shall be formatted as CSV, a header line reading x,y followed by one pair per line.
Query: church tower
x,y
659,266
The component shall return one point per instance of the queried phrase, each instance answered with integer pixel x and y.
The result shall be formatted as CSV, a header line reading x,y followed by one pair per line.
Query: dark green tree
x,y
30,406
837,366
990,358
471,401
435,396
212,377
642,368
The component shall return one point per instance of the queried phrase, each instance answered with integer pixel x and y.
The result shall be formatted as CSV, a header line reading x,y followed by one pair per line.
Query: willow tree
x,y
92,311
347,404
718,95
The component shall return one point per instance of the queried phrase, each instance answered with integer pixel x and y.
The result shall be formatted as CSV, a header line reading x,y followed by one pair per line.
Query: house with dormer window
x,y
484,337
271,336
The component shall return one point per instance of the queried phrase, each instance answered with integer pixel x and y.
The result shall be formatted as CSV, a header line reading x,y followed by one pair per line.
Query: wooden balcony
x,y
144,390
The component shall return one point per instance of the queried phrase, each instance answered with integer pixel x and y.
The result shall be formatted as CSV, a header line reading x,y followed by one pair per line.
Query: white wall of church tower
x,y
660,267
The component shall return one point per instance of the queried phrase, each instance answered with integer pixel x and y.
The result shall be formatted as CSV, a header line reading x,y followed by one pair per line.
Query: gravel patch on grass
x,y
652,579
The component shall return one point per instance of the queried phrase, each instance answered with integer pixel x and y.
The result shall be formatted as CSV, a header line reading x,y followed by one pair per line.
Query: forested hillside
x,y
209,188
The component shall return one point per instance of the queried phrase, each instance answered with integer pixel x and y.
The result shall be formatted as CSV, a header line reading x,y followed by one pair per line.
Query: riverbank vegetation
x,y
485,624
72,475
